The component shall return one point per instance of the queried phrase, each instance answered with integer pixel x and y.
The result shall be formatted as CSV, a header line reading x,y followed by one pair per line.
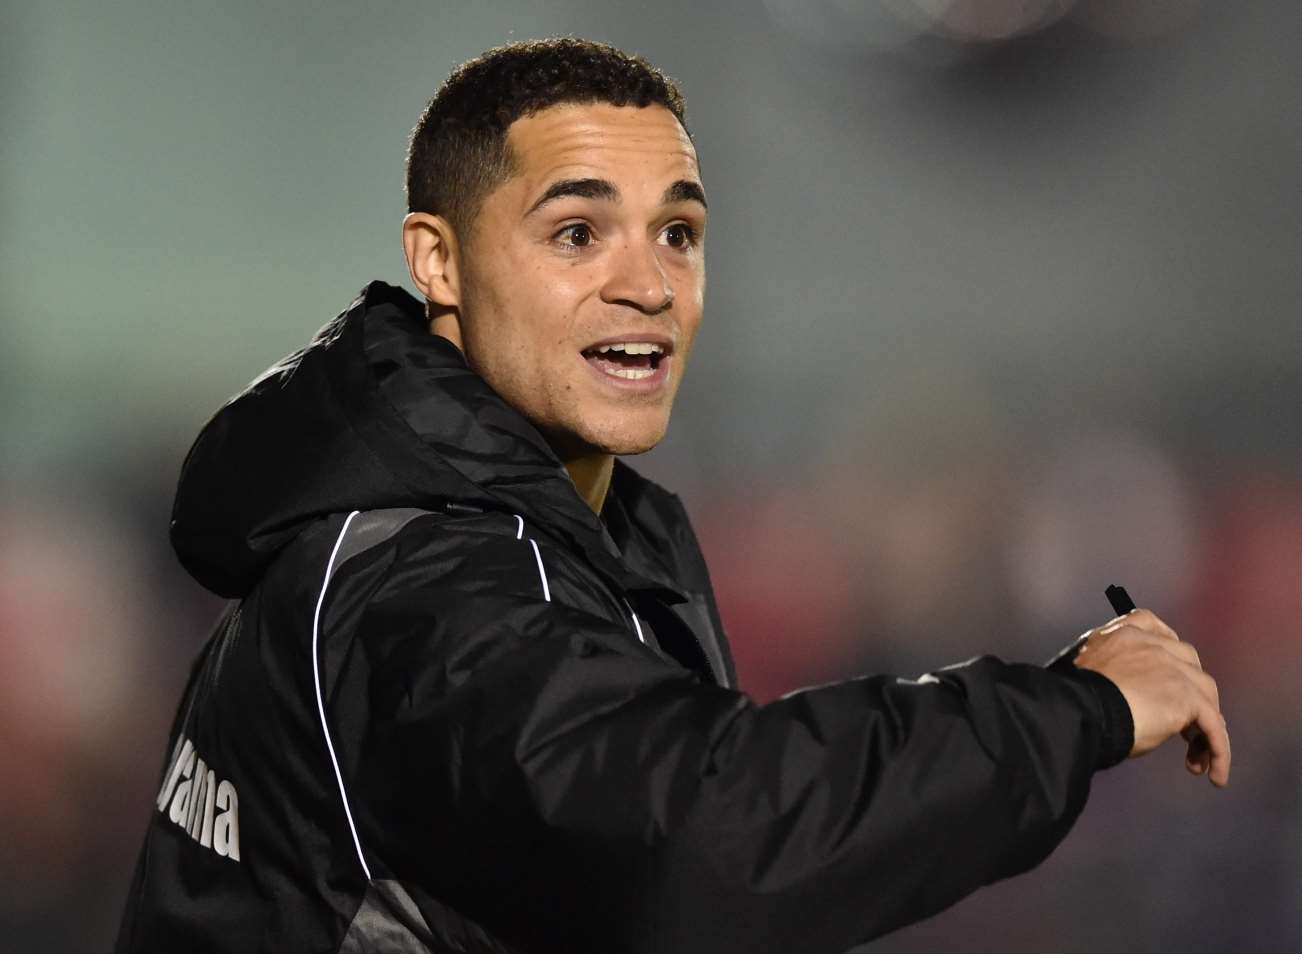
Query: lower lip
x,y
654,381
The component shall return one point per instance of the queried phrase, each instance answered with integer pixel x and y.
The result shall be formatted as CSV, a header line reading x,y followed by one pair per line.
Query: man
x,y
472,692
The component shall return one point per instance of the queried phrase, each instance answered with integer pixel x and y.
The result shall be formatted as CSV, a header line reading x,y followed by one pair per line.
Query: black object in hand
x,y
1120,599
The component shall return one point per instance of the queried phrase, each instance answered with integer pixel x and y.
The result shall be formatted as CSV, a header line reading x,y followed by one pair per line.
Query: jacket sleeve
x,y
538,768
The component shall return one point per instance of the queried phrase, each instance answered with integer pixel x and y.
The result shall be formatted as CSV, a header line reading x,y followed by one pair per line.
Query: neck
x,y
591,475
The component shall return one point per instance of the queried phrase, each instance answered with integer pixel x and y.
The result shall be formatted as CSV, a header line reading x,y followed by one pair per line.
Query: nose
x,y
637,279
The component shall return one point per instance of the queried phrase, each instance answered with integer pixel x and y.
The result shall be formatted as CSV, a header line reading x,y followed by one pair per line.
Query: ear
x,y
433,259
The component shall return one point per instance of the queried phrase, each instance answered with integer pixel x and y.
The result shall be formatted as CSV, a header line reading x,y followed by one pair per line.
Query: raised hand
x,y
1164,684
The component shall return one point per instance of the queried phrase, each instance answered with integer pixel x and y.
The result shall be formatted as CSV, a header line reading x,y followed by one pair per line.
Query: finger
x,y
1114,624
1146,619
1198,757
1209,688
1218,743
1184,652
1204,684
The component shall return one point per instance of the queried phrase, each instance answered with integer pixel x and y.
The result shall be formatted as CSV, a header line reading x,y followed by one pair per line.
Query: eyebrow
x,y
684,190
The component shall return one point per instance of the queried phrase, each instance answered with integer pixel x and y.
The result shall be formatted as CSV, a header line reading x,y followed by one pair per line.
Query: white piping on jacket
x,y
320,706
542,574
636,625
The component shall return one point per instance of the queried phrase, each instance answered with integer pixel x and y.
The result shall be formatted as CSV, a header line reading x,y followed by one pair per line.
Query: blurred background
x,y
1003,308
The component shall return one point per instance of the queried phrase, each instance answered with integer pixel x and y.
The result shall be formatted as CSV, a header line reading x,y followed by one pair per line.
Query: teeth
x,y
633,374
632,347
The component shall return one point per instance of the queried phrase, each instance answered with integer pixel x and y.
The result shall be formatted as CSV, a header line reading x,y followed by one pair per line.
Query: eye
x,y
578,235
680,235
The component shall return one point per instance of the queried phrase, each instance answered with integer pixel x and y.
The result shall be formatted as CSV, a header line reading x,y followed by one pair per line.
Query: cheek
x,y
693,315
689,288
527,317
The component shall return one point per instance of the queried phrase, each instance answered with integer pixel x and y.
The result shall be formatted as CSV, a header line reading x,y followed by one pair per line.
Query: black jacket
x,y
450,709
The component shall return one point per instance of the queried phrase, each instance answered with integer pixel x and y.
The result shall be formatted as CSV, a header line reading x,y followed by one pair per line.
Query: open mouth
x,y
630,360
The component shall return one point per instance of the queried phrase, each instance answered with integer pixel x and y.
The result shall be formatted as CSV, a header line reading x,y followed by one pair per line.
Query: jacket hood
x,y
375,412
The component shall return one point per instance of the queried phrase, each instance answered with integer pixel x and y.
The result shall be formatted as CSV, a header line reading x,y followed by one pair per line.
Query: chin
x,y
623,440
631,448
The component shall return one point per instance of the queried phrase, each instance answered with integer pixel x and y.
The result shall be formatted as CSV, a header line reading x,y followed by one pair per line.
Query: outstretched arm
x,y
555,758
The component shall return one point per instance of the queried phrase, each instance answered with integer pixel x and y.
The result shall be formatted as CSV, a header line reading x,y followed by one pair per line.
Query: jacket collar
x,y
376,412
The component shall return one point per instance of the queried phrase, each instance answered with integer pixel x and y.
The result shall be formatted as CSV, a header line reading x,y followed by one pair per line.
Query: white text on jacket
x,y
206,807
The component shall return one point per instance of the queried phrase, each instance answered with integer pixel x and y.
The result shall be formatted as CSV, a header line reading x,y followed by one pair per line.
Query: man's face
x,y
583,280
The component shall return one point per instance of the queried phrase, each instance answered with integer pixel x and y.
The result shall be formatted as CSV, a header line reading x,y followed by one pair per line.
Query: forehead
x,y
621,143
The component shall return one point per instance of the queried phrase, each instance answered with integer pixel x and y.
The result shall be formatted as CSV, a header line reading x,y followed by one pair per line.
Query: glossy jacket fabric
x,y
450,709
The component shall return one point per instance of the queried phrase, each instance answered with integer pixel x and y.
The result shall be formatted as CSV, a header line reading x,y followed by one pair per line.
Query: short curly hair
x,y
458,151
